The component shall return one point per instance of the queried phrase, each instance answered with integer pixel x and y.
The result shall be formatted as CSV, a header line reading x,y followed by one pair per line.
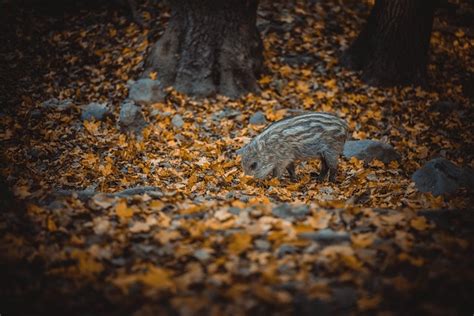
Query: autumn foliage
x,y
101,221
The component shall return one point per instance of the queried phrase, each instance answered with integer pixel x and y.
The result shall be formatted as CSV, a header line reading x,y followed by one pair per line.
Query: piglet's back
x,y
306,128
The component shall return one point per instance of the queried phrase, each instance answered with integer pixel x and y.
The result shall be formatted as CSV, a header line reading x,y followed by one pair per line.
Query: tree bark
x,y
392,48
209,47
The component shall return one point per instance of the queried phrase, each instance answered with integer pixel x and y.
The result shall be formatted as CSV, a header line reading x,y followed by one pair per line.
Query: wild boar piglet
x,y
303,137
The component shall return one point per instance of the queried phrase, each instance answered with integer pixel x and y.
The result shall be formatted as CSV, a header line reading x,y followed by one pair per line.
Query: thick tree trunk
x,y
392,48
209,47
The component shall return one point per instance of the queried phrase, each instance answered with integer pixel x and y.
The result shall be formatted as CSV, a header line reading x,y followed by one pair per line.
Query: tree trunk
x,y
392,48
209,47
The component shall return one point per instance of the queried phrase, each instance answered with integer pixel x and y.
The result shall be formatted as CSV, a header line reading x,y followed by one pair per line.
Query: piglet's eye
x,y
253,166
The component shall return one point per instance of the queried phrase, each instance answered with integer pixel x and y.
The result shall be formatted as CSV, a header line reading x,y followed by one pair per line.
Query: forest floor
x,y
197,236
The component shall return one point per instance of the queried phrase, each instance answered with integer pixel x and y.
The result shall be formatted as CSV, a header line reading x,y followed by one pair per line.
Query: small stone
x,y
35,114
440,176
444,107
202,254
94,111
301,210
234,210
146,91
258,118
344,297
120,261
282,210
371,177
298,60
56,104
244,198
285,210
226,113
285,249
369,150
131,117
177,121
284,269
325,236
262,245
180,137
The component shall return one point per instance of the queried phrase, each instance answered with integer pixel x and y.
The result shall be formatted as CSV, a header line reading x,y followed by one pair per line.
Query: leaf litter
x,y
201,237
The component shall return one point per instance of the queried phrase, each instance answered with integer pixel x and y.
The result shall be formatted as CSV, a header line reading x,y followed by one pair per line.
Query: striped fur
x,y
298,138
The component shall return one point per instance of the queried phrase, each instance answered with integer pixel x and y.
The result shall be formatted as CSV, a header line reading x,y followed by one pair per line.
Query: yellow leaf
x,y
238,204
87,264
192,180
92,127
331,84
363,240
21,191
140,227
122,210
157,278
265,80
273,182
359,135
302,87
366,303
239,243
52,225
417,262
112,32
459,33
394,164
308,102
286,70
156,205
422,152
106,169
377,163
420,223
165,236
319,220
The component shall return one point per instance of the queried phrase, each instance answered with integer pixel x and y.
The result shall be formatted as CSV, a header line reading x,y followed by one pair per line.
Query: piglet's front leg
x,y
278,171
291,171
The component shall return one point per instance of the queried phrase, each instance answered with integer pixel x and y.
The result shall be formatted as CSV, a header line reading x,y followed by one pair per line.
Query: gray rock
x,y
234,210
285,269
444,107
35,114
177,121
225,113
94,111
285,249
298,60
440,176
301,210
287,211
146,91
202,255
325,236
344,297
369,150
262,245
282,210
258,118
131,118
55,104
